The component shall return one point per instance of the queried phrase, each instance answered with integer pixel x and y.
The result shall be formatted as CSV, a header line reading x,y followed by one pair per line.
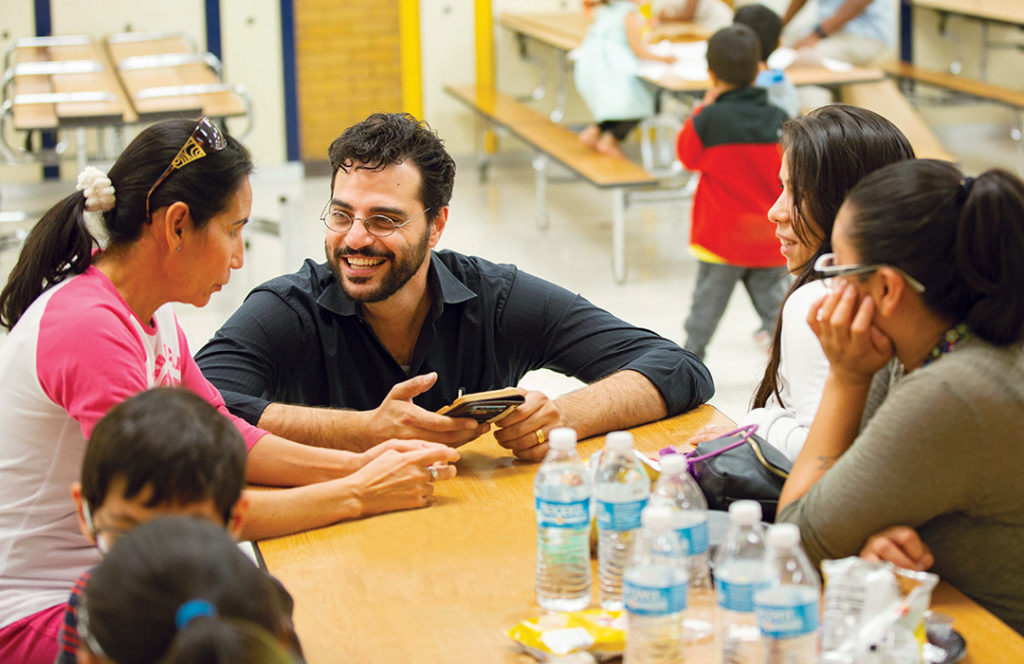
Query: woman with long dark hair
x,y
924,270
87,309
825,153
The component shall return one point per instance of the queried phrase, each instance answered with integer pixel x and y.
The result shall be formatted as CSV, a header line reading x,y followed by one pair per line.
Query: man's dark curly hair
x,y
385,139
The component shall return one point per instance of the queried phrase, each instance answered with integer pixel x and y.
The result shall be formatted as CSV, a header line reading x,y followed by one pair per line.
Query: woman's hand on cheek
x,y
854,346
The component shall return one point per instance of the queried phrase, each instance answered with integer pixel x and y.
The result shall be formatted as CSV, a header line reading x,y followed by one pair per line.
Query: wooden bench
x,y
957,83
551,141
165,76
884,98
966,87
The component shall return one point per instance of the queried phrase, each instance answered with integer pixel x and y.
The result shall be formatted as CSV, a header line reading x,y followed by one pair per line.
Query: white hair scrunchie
x,y
99,198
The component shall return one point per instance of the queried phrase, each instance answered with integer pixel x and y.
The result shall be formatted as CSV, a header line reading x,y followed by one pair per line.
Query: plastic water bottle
x,y
561,492
654,592
787,601
621,488
677,491
739,570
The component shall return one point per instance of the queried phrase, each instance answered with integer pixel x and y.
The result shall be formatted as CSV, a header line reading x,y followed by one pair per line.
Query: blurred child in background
x,y
732,140
767,25
605,74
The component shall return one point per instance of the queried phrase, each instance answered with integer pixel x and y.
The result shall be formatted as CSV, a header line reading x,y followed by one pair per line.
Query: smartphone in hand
x,y
484,406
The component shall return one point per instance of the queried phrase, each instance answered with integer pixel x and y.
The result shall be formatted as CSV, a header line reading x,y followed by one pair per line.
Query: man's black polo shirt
x,y
298,339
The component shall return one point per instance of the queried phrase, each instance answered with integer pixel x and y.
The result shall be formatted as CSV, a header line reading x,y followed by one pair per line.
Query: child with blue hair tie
x,y
179,590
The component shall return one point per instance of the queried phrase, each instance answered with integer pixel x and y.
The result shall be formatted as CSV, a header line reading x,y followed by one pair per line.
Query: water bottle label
x,y
696,538
784,622
653,601
551,514
619,516
736,596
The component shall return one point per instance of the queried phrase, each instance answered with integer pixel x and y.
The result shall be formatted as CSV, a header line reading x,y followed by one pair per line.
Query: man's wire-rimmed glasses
x,y
378,225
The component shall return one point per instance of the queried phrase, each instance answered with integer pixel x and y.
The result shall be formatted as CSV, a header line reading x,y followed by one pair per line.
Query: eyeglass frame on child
x,y
390,228
205,139
102,543
830,272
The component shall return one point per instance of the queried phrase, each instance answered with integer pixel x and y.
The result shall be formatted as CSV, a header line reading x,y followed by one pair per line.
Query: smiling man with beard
x,y
366,346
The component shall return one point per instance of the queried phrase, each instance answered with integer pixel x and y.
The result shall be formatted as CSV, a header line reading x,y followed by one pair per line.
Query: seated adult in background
x,y
710,14
825,153
336,353
89,330
926,270
861,32
162,452
180,590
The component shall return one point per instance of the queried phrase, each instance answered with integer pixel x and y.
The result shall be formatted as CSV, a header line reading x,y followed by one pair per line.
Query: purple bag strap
x,y
745,432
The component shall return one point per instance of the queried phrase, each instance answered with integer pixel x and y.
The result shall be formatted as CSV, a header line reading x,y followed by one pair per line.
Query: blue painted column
x,y
213,28
906,31
44,28
291,99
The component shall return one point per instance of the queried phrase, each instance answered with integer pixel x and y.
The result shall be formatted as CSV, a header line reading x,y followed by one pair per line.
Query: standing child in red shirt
x,y
732,139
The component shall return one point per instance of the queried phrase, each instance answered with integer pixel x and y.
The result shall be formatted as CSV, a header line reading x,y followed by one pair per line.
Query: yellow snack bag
x,y
601,633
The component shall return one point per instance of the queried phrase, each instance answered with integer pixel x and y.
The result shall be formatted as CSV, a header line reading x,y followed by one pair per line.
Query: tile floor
x,y
496,219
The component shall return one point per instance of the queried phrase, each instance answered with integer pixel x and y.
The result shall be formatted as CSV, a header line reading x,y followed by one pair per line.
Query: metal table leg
x,y
619,234
540,167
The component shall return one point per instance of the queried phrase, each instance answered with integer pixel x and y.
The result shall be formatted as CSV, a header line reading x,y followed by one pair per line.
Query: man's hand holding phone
x,y
485,406
398,417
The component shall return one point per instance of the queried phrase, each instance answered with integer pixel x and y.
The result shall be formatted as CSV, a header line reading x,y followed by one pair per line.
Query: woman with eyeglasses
x,y
825,153
86,306
179,590
927,270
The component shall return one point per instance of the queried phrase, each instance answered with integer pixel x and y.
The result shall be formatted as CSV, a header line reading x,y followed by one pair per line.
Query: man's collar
x,y
444,286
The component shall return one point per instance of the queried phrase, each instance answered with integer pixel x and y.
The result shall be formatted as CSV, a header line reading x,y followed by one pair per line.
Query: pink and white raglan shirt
x,y
76,352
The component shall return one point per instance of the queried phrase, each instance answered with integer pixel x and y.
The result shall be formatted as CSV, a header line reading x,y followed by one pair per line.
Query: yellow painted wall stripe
x,y
485,81
412,64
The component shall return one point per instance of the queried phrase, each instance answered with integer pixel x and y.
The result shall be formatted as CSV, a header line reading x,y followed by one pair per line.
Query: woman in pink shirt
x,y
87,306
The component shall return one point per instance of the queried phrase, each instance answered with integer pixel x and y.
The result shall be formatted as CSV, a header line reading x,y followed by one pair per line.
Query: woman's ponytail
x,y
58,246
988,251
962,238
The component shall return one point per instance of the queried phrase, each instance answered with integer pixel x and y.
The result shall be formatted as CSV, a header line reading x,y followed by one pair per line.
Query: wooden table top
x,y
565,31
114,110
1005,11
140,82
441,584
445,583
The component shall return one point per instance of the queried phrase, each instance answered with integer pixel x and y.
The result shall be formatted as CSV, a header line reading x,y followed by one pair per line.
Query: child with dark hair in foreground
x,y
179,590
162,452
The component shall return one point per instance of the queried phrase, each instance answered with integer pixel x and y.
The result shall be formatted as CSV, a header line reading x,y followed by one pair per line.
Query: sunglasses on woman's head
x,y
206,139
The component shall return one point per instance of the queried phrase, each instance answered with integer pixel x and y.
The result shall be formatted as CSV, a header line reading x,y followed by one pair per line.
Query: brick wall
x,y
347,65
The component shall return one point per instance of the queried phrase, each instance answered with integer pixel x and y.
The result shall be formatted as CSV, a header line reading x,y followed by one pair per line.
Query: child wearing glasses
x,y
87,306
732,140
179,590
162,452
926,273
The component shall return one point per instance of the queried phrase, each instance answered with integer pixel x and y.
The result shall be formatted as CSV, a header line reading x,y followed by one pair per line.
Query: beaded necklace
x,y
948,342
